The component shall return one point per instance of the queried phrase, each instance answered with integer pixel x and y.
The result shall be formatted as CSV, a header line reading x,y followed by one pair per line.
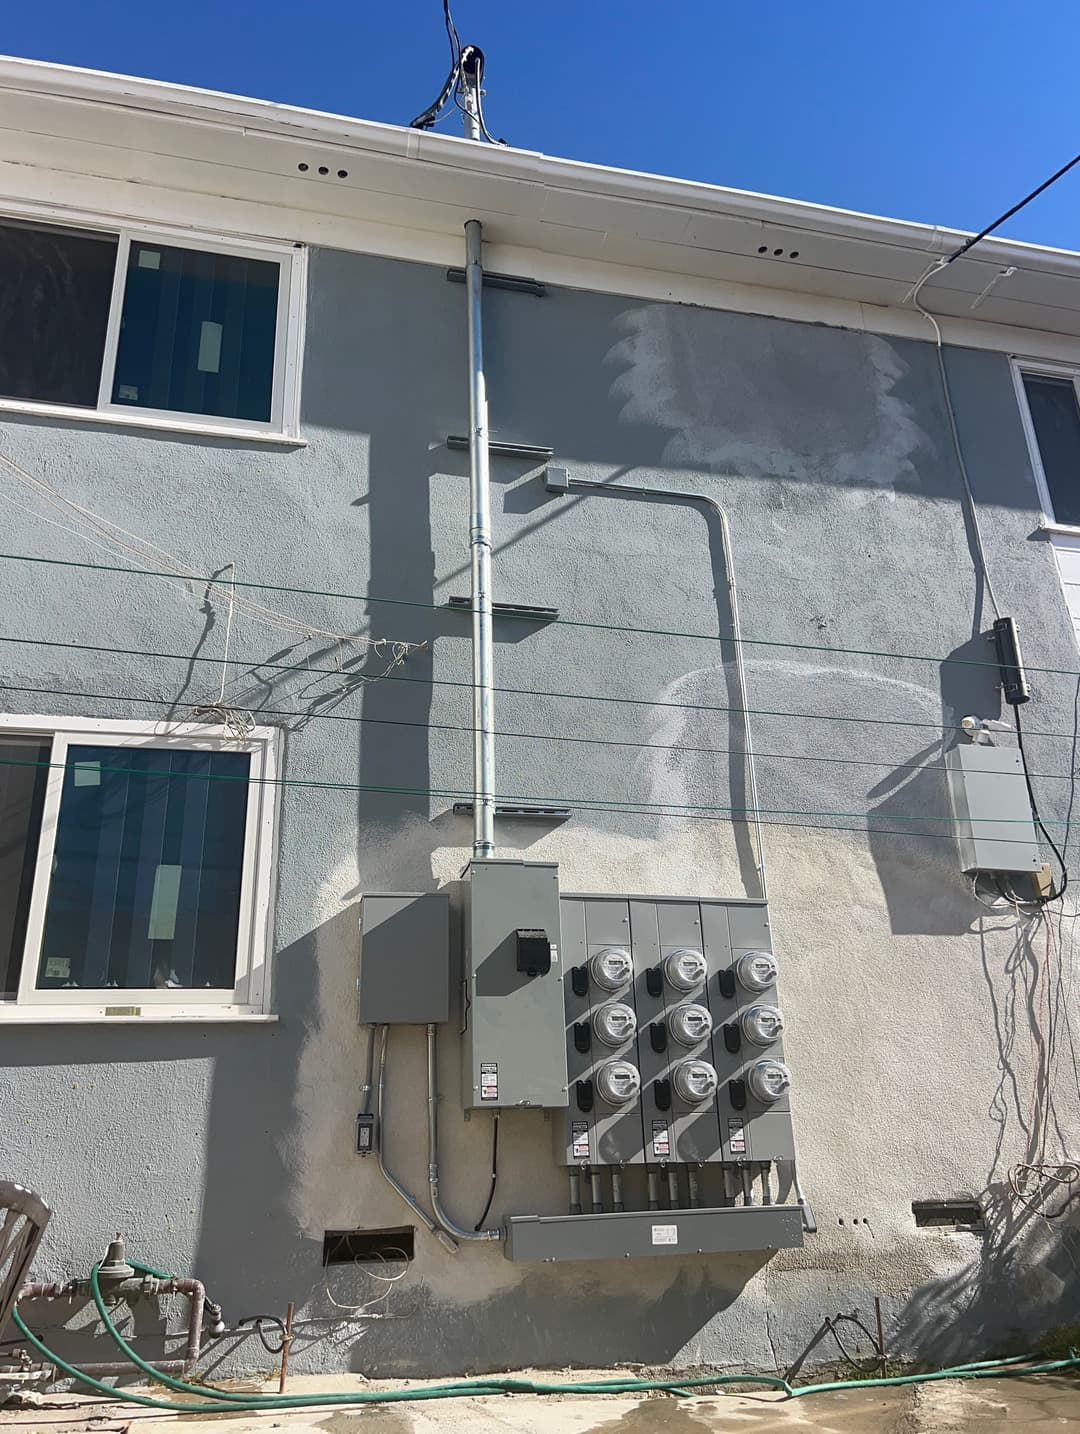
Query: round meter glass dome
x,y
618,1082
689,1024
756,971
769,1080
615,1023
761,1025
695,1081
685,969
612,968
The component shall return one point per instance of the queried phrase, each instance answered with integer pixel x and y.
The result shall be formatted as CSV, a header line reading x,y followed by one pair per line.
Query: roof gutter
x,y
531,168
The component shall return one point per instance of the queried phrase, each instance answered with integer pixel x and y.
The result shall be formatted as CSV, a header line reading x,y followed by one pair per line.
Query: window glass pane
x,y
1056,420
145,888
55,286
23,774
197,333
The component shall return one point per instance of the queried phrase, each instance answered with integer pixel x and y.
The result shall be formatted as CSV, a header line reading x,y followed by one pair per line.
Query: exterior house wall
x,y
914,1030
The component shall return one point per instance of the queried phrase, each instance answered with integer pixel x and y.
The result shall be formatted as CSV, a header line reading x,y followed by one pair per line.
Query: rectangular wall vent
x,y
351,1247
964,1214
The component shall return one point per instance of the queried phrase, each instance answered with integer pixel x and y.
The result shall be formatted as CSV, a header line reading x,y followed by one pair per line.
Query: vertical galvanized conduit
x,y
483,646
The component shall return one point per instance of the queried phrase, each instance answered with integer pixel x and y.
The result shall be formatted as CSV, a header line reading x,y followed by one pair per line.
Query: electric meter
x,y
756,971
689,1024
685,969
612,968
761,1025
768,1080
618,1082
694,1081
615,1023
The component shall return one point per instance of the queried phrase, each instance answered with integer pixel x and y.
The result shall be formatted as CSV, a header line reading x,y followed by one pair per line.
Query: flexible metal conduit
x,y
450,1226
421,1214
483,644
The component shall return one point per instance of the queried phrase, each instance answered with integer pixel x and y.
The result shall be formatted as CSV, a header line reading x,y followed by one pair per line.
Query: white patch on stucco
x,y
821,406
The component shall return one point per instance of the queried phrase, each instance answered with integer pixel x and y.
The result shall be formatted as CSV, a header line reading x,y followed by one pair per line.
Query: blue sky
x,y
929,111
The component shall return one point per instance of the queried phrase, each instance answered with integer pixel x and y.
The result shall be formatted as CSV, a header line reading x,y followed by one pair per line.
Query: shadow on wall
x,y
1026,1275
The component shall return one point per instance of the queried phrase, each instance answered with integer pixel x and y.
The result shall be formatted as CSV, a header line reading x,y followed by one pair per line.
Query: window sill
x,y
156,424
1066,530
59,1015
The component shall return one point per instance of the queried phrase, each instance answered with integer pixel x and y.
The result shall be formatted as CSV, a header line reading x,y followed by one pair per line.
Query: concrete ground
x,y
1020,1406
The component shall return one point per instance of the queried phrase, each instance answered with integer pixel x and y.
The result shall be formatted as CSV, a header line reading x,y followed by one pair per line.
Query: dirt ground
x,y
1020,1406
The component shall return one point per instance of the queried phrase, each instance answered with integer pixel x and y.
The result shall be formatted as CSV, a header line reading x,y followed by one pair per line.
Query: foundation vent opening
x,y
962,1214
356,1247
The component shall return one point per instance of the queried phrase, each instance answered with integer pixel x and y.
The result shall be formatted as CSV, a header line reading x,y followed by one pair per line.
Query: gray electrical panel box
x,y
515,1046
404,972
994,826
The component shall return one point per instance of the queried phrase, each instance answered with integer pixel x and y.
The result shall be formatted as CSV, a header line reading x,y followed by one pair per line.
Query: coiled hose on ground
x,y
220,1400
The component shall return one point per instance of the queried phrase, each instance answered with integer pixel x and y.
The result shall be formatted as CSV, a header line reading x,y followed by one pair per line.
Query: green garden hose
x,y
218,1400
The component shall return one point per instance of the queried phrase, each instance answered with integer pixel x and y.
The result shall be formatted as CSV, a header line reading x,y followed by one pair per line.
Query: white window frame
x,y
249,998
1037,369
284,423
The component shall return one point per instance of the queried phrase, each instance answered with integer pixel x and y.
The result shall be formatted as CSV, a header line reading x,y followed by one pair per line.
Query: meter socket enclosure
x,y
673,1035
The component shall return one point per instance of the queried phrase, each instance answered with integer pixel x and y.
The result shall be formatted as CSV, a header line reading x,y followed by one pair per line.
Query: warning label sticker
x,y
665,1234
580,1139
661,1141
489,1080
736,1138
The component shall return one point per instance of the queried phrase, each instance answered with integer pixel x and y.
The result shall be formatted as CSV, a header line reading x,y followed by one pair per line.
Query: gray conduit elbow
x,y
442,1235
450,1226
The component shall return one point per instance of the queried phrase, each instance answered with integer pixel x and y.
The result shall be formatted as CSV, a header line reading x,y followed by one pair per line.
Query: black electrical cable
x,y
430,116
1052,895
494,1168
1016,208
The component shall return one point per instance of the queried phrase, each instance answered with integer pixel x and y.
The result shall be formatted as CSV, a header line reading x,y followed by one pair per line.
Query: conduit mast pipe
x,y
483,642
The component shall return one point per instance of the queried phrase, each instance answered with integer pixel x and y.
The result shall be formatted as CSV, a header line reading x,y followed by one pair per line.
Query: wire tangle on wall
x,y
368,1309
100,532
934,659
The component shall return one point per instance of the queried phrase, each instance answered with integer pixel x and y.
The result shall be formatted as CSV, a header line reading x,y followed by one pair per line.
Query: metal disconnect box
x,y
404,972
514,1042
994,827
551,1239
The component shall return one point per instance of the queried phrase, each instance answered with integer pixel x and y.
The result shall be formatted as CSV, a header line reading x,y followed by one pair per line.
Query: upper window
x,y
1051,410
132,324
134,867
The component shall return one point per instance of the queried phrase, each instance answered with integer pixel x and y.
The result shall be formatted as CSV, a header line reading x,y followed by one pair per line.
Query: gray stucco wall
x,y
916,1017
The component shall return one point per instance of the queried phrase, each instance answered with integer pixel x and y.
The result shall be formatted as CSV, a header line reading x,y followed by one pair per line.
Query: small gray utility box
x,y
404,958
994,827
515,1025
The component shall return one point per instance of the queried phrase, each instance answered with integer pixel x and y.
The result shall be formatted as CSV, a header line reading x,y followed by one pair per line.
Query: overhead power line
x,y
357,679
169,704
560,621
1015,209
628,807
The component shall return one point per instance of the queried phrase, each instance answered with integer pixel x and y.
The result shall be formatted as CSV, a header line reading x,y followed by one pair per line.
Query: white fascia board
x,y
524,166
75,199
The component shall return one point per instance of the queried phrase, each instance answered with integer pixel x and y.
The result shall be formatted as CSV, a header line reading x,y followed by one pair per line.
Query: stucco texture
x,y
917,1019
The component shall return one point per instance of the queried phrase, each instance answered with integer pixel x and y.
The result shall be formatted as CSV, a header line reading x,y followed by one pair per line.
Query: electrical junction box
x,y
994,826
404,975
514,1036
